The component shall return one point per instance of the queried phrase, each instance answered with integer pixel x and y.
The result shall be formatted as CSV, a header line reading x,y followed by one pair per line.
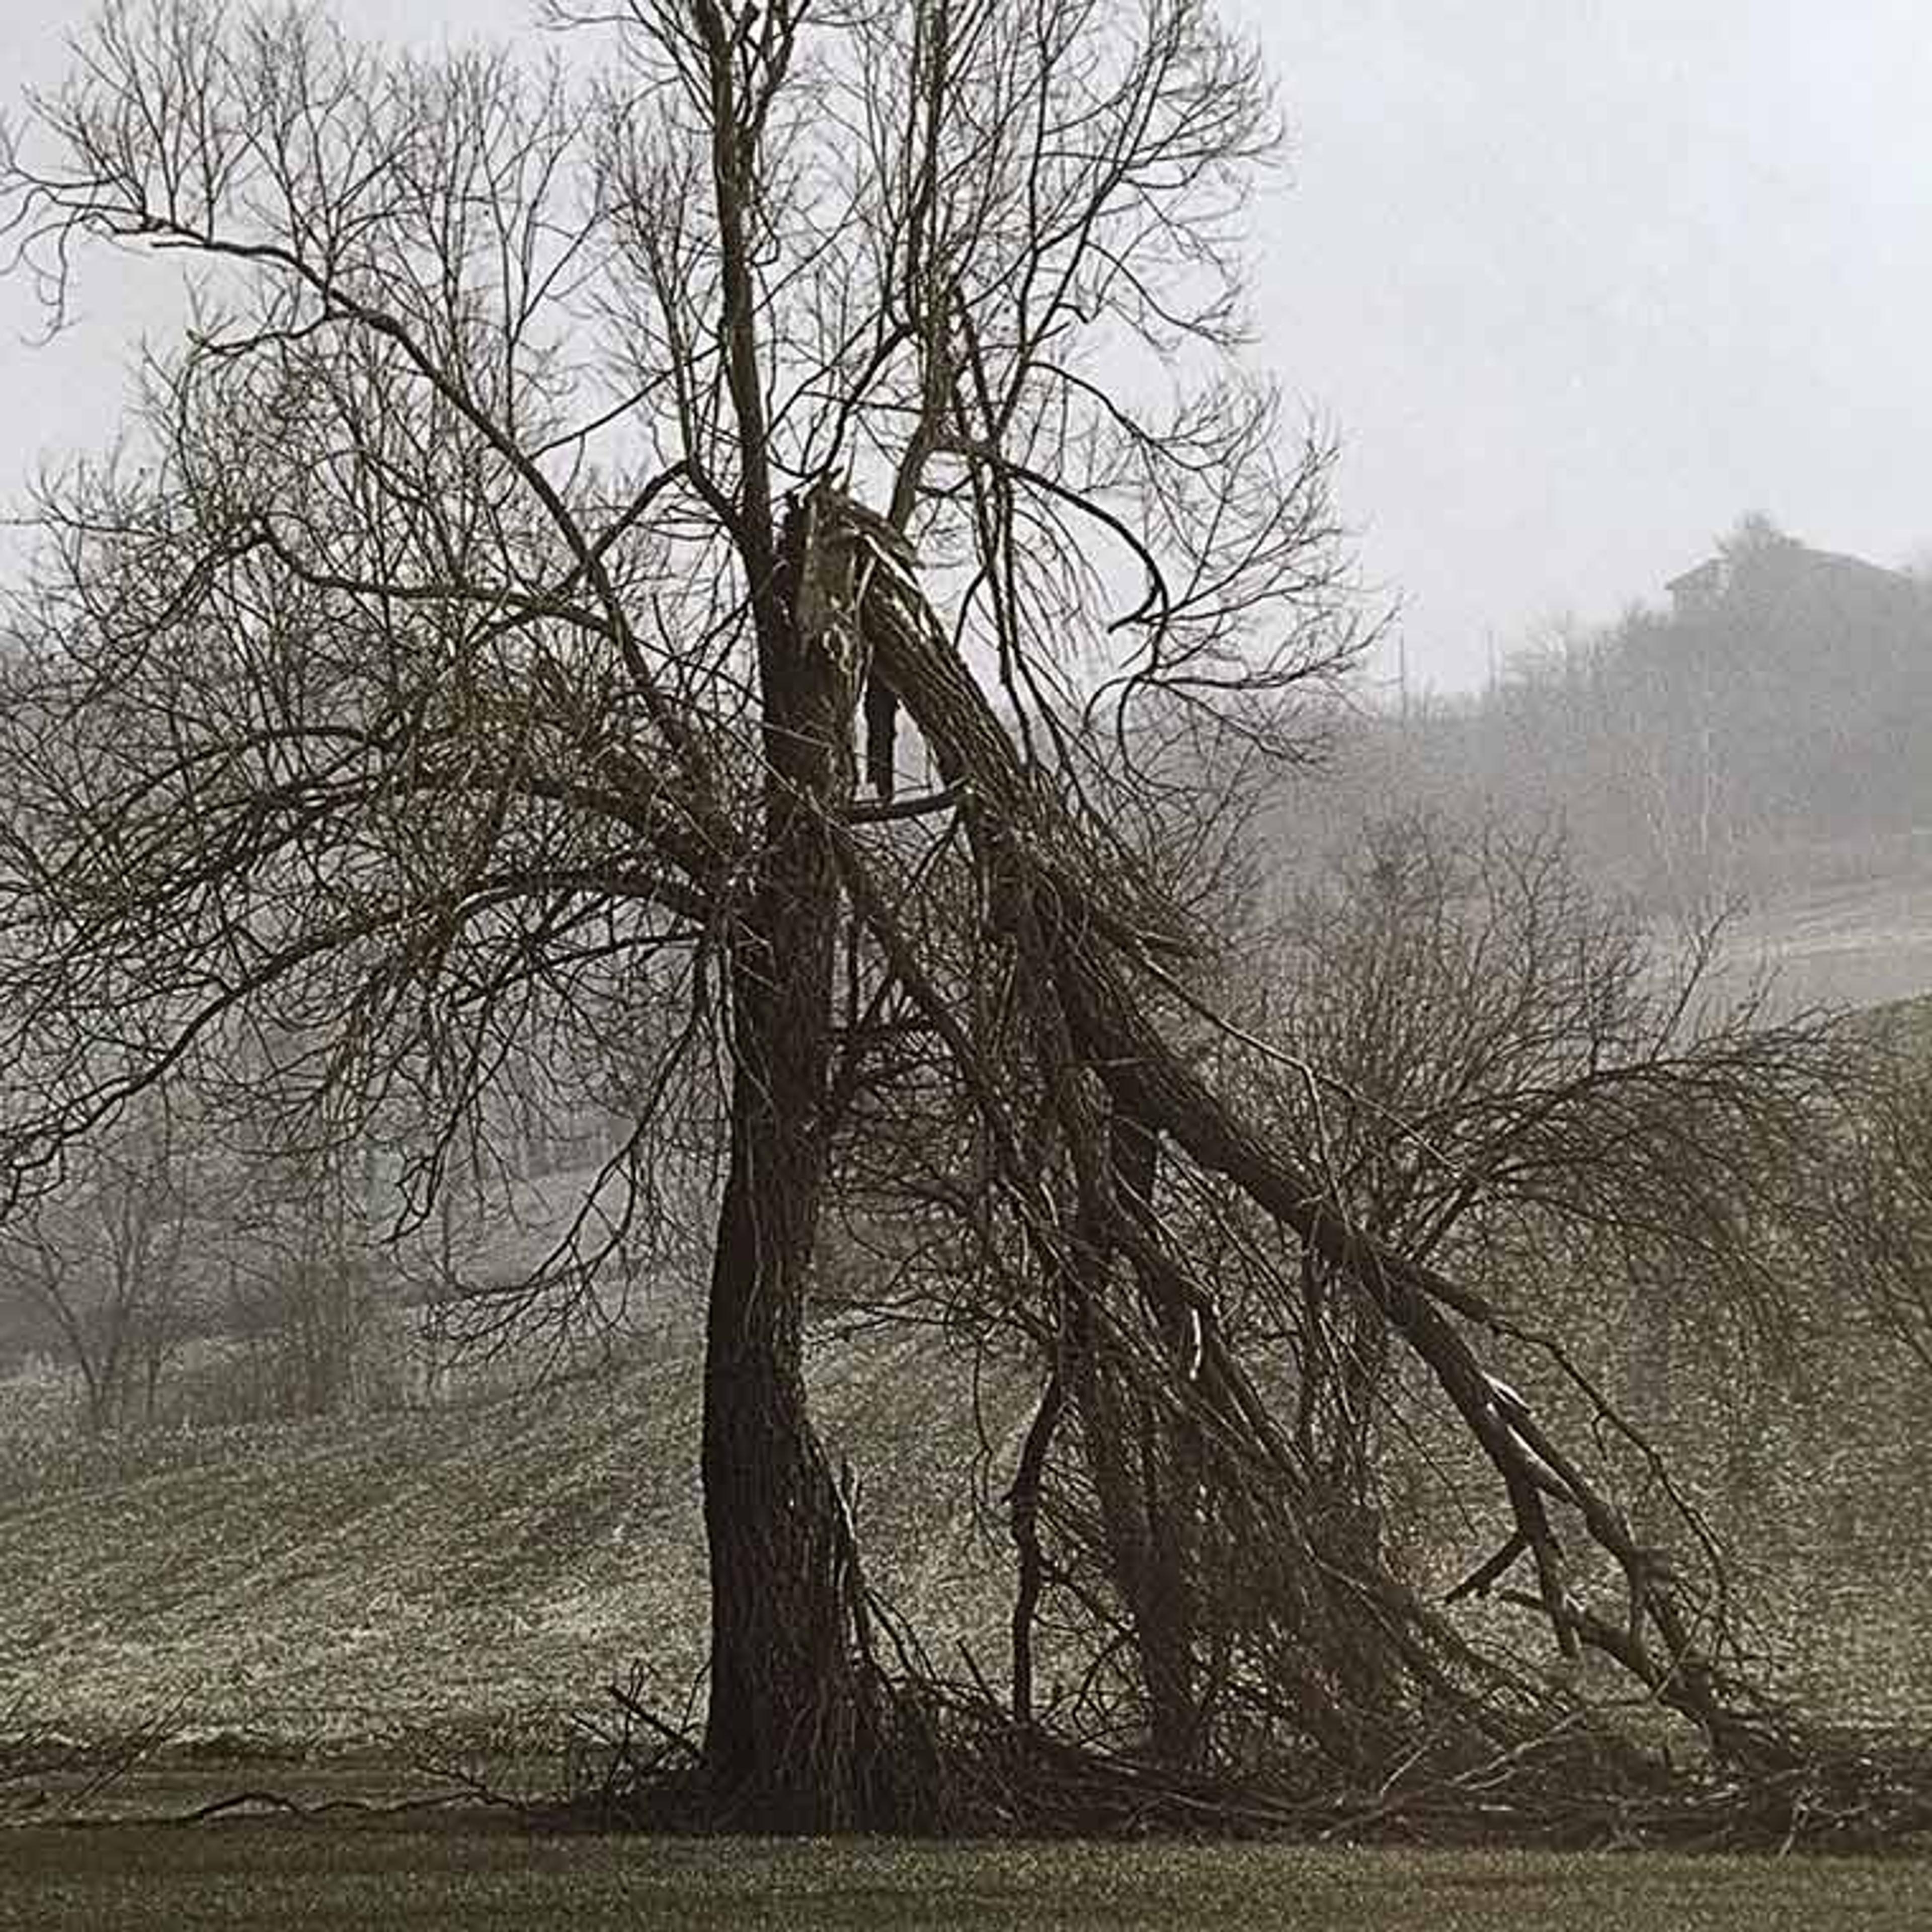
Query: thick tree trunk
x,y
789,1741
792,1743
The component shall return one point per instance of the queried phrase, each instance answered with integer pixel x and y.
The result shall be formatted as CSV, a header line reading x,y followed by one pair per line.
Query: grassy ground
x,y
459,1570
1856,944
473,1572
305,1880
446,1585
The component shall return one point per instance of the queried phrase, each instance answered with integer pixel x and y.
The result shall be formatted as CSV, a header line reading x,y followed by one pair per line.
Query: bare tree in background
x,y
300,1246
109,1259
1517,1081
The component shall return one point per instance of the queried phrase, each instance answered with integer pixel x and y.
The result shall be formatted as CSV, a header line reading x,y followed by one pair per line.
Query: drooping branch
x,y
1038,887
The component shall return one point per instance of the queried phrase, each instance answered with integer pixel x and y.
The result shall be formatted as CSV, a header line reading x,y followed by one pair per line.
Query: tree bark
x,y
792,1743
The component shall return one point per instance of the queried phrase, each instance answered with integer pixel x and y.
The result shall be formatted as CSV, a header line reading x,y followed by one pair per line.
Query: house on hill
x,y
1768,568
1810,674
1699,588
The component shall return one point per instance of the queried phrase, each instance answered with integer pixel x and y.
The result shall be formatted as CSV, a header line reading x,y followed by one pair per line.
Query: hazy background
x,y
1577,284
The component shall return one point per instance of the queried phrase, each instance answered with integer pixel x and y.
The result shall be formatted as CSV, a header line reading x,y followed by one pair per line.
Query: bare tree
x,y
107,1259
550,489
1517,1079
452,664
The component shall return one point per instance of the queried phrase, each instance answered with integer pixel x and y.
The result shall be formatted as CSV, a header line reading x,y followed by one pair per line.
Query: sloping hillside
x,y
474,1572
461,1567
1768,735
1862,943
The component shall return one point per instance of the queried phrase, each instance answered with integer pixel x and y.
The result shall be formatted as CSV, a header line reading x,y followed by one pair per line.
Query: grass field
x,y
1858,943
307,1879
440,1588
467,1570
448,1585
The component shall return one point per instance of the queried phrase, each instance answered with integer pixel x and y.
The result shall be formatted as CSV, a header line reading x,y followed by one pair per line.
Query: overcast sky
x,y
1578,284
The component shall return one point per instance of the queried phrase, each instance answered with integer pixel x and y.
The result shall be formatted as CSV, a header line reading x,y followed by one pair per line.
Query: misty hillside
x,y
1768,729
478,1566
436,1578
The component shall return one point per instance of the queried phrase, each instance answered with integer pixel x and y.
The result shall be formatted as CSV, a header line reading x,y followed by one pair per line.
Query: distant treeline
x,y
1774,722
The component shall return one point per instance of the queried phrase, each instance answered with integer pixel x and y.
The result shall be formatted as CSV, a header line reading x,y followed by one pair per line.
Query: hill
x,y
1770,731
469,1567
463,1577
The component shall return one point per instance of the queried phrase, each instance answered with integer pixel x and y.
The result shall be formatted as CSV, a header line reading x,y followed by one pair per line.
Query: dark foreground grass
x,y
310,1879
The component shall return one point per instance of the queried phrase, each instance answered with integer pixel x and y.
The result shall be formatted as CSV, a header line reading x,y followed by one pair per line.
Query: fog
x,y
1577,286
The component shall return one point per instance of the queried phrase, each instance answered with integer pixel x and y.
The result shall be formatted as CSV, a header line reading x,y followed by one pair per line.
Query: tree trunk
x,y
1145,1470
792,1743
789,1741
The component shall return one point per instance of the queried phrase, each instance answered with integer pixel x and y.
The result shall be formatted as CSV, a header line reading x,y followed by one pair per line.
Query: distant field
x,y
447,1583
445,1587
1857,944
470,1880
468,1573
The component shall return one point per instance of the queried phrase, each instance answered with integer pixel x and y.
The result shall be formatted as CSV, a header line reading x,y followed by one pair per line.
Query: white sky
x,y
1579,282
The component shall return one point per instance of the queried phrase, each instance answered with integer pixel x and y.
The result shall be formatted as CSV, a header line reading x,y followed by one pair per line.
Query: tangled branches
x,y
1225,1596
